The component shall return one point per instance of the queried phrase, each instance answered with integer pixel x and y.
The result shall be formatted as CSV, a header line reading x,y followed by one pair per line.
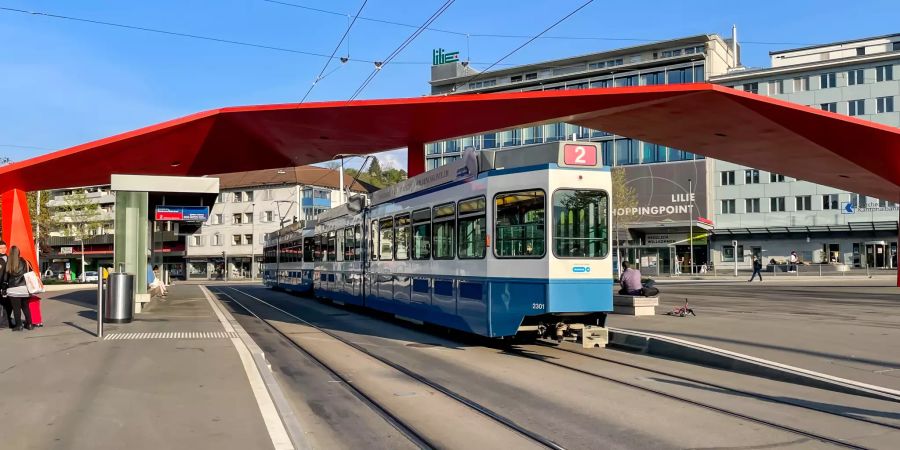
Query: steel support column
x,y
17,224
415,159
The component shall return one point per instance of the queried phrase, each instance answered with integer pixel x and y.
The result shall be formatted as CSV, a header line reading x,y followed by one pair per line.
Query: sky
x,y
66,82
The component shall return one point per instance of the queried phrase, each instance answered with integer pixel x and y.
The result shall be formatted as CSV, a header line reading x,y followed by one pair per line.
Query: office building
x,y
770,215
672,184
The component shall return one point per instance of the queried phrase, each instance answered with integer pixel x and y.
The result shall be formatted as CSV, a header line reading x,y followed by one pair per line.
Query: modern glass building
x,y
671,183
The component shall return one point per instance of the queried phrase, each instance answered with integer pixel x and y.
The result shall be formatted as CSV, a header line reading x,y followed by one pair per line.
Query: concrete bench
x,y
635,305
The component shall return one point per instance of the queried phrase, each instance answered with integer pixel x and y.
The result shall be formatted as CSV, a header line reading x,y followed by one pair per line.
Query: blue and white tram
x,y
284,264
498,243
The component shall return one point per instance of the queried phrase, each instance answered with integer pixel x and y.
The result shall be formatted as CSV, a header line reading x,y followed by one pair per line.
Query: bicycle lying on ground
x,y
682,311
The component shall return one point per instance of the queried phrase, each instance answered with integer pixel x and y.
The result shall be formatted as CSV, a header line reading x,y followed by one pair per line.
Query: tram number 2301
x,y
539,306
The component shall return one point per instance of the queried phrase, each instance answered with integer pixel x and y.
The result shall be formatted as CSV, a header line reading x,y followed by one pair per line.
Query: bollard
x,y
820,270
867,270
100,303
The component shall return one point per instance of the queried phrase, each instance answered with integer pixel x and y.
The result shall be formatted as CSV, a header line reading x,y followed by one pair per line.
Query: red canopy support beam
x,y
415,159
17,224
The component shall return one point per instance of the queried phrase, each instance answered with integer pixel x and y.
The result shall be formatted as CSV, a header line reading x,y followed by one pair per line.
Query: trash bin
x,y
118,304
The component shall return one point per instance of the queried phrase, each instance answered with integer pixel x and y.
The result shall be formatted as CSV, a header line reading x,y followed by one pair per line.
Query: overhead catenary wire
x,y
498,35
530,40
336,47
380,65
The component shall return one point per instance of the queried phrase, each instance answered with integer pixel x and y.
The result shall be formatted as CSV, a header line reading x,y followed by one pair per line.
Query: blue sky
x,y
64,82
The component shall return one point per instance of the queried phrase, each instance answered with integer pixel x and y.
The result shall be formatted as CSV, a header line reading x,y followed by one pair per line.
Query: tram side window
x,y
339,244
580,224
421,234
443,233
373,240
401,237
357,242
471,228
519,224
386,229
332,254
317,249
308,245
349,245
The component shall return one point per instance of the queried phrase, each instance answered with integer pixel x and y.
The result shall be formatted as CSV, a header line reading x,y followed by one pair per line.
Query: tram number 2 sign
x,y
579,155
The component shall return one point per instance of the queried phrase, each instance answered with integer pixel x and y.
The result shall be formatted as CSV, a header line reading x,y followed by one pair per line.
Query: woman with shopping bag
x,y
22,283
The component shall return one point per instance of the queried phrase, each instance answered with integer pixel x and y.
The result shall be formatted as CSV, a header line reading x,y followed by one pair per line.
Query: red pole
x,y
415,159
17,224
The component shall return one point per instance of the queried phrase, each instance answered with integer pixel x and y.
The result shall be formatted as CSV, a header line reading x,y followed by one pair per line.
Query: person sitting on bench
x,y
631,282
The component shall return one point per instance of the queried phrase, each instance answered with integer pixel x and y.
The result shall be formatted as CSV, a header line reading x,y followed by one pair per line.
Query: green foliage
x,y
378,177
78,216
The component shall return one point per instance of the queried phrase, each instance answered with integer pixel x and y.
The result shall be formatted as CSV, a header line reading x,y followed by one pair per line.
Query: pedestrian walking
x,y
16,268
757,268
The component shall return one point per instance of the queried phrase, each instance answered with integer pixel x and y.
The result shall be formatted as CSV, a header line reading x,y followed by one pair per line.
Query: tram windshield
x,y
580,224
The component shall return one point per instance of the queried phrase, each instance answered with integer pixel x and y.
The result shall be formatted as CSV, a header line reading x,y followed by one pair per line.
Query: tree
x,y
78,217
42,220
375,169
624,199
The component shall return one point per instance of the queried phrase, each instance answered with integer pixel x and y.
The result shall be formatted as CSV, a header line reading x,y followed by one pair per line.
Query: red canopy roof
x,y
715,121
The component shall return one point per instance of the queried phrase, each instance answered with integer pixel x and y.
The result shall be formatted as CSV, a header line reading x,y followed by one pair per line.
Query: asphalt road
x,y
578,401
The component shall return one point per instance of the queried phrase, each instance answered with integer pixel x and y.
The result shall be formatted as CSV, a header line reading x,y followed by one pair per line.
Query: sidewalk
x,y
848,330
63,388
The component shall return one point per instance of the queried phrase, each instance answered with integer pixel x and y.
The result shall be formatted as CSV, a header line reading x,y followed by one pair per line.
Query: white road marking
x,y
277,432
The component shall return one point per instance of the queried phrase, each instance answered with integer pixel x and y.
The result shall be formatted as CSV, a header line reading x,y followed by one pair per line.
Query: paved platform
x,y
843,328
63,388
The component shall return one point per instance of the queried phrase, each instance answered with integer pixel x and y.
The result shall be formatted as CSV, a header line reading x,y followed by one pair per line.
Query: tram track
x,y
743,392
405,428
787,428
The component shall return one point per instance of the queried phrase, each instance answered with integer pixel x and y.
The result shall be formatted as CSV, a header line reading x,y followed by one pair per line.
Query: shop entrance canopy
x,y
715,121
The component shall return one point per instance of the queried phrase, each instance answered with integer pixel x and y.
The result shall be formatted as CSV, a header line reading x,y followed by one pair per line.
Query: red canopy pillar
x,y
17,224
415,159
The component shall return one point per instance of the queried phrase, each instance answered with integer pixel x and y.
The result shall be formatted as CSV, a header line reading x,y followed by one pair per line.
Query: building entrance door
x,y
876,254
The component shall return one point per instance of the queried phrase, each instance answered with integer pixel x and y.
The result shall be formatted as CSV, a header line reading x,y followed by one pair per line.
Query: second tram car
x,y
498,243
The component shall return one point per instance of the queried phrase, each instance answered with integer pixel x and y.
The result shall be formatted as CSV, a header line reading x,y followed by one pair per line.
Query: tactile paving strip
x,y
173,335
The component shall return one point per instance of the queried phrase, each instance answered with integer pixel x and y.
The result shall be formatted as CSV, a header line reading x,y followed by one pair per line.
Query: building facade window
x,y
830,201
217,239
855,76
884,105
776,204
626,152
728,253
248,217
751,87
857,107
236,219
248,239
217,219
728,178
776,178
751,176
654,153
751,205
728,207
248,196
885,73
804,203
830,107
776,87
238,197
828,80
269,216
197,240
236,239
801,84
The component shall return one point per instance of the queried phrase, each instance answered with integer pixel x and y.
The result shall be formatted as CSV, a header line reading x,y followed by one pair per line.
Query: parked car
x,y
89,276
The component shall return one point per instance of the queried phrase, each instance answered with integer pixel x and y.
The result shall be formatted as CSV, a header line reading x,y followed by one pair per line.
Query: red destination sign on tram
x,y
579,155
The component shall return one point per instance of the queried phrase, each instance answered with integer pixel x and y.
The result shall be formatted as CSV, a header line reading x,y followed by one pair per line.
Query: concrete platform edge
x,y
679,349
294,428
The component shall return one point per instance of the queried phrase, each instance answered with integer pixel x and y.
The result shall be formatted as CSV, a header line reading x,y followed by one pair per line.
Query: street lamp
x,y
341,156
252,240
691,235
